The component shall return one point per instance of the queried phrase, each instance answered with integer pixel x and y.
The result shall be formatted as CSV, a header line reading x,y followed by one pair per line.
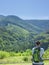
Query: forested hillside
x,y
17,34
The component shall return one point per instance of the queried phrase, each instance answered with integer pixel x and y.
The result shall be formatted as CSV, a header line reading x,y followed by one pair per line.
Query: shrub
x,y
46,54
18,54
25,58
12,54
4,54
29,52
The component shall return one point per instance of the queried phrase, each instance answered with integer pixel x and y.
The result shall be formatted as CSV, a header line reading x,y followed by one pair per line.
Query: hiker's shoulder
x,y
33,48
42,49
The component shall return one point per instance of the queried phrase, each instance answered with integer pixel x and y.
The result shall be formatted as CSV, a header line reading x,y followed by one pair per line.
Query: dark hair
x,y
37,42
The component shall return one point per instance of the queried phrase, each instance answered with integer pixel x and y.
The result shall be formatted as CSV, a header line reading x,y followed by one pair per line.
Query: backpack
x,y
36,55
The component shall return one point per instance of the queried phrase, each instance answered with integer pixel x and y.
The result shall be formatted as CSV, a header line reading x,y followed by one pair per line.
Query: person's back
x,y
37,54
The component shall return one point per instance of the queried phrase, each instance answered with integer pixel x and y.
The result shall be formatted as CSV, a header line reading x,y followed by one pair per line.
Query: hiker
x,y
37,52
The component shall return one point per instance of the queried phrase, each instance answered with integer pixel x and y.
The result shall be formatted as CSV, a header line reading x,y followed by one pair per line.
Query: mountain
x,y
30,25
1,17
41,24
17,34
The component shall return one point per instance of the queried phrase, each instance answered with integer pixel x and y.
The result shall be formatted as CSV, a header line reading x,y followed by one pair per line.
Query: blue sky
x,y
25,9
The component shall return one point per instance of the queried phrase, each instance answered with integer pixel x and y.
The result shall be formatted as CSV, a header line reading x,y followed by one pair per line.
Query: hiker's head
x,y
38,43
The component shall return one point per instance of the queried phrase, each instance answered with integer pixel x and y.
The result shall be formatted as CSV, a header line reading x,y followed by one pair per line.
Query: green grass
x,y
25,63
15,59
46,63
18,61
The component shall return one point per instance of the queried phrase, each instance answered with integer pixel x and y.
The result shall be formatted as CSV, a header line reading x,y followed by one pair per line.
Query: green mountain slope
x,y
17,34
14,38
43,38
42,24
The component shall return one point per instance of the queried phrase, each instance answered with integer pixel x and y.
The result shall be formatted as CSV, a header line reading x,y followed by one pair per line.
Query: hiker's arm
x,y
42,53
32,54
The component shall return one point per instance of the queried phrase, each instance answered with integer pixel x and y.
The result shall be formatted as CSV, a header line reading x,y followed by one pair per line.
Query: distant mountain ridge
x,y
30,25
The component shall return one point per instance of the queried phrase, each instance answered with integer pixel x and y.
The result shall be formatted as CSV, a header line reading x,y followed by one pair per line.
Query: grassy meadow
x,y
19,61
46,63
25,58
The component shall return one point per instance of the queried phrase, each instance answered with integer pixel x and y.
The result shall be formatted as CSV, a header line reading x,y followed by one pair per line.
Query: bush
x,y
46,54
4,54
18,54
25,58
29,52
12,54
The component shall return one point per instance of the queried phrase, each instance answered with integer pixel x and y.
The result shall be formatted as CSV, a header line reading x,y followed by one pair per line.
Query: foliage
x,y
12,53
4,54
25,58
27,53
46,54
